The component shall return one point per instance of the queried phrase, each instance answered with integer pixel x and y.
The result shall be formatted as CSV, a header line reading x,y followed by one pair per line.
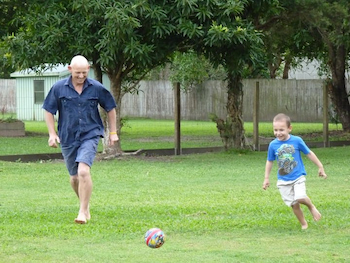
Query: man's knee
x,y
74,178
83,170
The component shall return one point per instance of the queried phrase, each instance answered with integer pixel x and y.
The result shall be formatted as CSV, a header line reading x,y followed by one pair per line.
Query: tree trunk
x,y
116,90
286,69
232,129
273,67
337,87
97,71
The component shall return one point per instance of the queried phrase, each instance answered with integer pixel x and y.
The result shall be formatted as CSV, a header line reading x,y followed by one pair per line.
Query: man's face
x,y
281,130
79,73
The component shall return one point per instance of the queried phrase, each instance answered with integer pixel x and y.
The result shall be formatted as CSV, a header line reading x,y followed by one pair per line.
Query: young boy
x,y
291,174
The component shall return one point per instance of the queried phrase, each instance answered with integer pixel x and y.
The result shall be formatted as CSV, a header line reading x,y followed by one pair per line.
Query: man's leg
x,y
84,192
85,157
74,182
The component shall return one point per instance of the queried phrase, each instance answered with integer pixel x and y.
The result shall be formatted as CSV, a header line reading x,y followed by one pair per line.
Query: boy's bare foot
x,y
315,213
305,226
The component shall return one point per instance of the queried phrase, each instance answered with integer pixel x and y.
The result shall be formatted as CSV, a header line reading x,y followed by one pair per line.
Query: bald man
x,y
80,127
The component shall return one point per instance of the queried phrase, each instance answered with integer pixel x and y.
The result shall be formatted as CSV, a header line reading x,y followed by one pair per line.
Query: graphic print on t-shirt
x,y
286,162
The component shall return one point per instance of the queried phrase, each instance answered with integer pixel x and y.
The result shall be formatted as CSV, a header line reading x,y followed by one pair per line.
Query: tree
x,y
318,30
190,68
8,12
125,39
231,40
330,22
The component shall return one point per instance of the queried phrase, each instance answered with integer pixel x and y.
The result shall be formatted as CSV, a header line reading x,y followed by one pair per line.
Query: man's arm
x,y
112,117
50,122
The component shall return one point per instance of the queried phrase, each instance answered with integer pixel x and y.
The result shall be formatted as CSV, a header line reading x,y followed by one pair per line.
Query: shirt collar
x,y
70,84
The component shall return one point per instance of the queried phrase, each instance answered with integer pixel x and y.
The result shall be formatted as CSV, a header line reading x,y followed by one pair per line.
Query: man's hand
x,y
53,141
113,138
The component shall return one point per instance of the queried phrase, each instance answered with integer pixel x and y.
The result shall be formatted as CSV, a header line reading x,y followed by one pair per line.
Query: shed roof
x,y
60,70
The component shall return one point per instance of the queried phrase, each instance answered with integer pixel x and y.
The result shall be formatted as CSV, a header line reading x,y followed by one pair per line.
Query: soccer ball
x,y
154,238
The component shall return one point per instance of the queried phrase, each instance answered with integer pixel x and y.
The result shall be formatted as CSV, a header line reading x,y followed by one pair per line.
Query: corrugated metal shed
x,y
26,108
60,71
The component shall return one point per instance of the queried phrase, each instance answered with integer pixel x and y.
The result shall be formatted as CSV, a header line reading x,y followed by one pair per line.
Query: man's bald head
x,y
79,61
79,68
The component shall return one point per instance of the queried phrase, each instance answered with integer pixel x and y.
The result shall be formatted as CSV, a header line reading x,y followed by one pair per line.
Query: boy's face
x,y
281,130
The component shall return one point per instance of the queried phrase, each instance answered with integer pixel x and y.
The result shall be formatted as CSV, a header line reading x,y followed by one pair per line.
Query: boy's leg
x,y
300,215
302,198
313,210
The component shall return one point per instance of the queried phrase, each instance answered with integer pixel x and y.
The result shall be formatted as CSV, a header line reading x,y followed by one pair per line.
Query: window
x,y
39,91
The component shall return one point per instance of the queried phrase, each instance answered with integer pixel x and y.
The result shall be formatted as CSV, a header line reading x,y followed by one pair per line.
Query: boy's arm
x,y
268,169
113,136
312,156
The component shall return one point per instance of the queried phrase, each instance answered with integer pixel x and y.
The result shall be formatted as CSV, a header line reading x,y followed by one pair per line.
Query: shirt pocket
x,y
93,102
70,107
92,109
66,102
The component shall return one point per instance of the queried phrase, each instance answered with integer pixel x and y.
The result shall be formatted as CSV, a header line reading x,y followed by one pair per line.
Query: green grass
x,y
211,207
154,134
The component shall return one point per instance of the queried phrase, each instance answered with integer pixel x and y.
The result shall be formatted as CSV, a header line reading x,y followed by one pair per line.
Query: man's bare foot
x,y
81,219
315,213
87,215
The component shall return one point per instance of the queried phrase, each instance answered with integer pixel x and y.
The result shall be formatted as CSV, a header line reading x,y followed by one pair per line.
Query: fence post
x,y
256,144
325,116
177,116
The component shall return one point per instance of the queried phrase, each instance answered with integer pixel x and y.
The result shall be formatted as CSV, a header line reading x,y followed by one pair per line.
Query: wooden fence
x,y
301,99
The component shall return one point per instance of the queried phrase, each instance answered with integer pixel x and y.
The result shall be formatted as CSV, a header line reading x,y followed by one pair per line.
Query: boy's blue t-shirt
x,y
287,154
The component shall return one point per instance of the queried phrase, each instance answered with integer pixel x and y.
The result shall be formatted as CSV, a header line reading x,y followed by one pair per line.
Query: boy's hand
x,y
321,173
266,184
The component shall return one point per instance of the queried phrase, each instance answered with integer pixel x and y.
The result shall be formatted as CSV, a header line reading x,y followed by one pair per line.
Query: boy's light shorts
x,y
291,191
79,152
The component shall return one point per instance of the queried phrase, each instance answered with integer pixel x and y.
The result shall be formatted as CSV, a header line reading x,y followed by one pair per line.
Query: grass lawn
x,y
159,134
211,207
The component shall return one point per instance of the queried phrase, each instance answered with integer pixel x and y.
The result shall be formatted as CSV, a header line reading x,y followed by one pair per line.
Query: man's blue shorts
x,y
80,152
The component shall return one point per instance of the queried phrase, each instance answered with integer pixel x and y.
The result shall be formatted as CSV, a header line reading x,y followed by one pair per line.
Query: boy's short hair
x,y
282,117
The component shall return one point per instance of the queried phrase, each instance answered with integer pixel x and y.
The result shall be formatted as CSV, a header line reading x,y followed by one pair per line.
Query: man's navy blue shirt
x,y
79,118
